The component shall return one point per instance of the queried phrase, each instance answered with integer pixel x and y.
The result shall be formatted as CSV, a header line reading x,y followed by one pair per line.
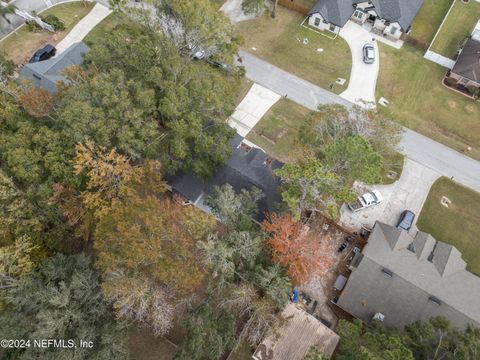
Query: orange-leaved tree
x,y
301,252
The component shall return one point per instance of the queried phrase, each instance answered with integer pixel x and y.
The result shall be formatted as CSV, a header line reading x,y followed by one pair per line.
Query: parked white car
x,y
366,200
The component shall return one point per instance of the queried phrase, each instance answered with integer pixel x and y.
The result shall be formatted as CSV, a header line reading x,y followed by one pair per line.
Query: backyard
x,y
458,224
280,41
70,13
429,18
459,24
419,101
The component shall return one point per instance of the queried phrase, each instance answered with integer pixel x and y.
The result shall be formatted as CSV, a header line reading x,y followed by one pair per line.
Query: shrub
x,y
32,26
53,20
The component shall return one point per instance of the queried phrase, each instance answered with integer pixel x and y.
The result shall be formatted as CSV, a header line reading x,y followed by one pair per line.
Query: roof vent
x,y
379,317
435,300
387,273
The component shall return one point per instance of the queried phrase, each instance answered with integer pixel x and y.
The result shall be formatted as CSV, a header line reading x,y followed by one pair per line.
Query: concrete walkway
x,y
439,59
363,77
252,108
84,26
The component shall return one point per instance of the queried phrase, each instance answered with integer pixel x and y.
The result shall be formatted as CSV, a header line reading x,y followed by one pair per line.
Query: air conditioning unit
x,y
379,317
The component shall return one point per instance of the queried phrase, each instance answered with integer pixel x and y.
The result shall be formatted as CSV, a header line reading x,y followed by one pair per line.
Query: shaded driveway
x,y
363,77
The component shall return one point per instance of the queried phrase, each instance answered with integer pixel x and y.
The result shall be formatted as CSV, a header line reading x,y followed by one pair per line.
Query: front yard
x,y
429,18
459,24
280,42
459,224
21,45
277,132
418,100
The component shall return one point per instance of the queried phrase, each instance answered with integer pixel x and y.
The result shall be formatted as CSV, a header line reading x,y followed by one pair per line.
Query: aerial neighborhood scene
x,y
240,179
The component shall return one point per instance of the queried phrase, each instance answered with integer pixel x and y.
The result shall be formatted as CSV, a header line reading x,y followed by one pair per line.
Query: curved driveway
x,y
363,77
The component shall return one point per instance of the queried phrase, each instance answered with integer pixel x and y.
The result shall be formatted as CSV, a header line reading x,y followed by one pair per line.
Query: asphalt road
x,y
415,146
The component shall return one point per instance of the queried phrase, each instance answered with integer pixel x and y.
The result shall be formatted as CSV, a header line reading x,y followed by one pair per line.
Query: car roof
x,y
49,47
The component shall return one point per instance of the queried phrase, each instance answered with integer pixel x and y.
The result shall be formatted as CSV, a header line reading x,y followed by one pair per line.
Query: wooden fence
x,y
415,42
291,4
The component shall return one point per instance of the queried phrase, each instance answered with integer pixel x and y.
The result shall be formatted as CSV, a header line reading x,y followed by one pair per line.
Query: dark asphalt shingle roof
x,y
244,170
47,73
421,268
339,11
468,62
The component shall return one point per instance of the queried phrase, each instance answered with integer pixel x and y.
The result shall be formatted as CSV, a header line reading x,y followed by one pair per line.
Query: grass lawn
x,y
459,224
277,131
105,26
459,24
429,18
21,45
143,345
419,101
280,42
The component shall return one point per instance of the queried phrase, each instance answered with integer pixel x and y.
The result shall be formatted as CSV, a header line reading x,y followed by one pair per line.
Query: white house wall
x,y
317,21
395,27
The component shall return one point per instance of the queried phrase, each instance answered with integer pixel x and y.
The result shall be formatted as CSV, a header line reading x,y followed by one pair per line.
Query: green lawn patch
x,y
21,45
429,18
280,42
418,100
277,130
105,26
459,224
459,24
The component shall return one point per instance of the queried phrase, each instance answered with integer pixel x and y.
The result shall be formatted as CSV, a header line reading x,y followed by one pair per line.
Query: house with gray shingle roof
x,y
46,74
389,18
466,70
401,279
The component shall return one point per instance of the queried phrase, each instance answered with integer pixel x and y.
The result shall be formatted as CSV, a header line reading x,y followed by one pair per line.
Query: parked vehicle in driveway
x,y
368,53
405,221
366,200
44,53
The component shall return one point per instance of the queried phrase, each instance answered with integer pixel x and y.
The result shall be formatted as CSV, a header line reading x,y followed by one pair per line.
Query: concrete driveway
x,y
84,26
363,77
409,192
252,108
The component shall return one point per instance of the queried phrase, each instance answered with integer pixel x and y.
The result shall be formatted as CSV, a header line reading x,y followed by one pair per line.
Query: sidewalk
x,y
84,26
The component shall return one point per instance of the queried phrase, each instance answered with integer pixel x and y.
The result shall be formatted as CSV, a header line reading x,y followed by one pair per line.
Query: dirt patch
x,y
319,291
452,104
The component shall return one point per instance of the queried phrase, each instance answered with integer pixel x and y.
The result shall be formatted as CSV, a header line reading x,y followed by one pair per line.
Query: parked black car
x,y
44,53
405,221
342,247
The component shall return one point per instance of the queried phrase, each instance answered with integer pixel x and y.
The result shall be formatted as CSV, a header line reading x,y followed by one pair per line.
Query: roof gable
x,y
468,62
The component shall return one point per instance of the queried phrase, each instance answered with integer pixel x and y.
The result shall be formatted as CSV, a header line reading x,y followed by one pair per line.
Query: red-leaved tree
x,y
302,253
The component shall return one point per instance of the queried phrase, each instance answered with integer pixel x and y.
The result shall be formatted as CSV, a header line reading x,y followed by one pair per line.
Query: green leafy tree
x,y
275,284
234,210
438,339
7,68
199,25
193,100
359,342
253,7
310,185
353,158
113,112
62,300
313,354
210,333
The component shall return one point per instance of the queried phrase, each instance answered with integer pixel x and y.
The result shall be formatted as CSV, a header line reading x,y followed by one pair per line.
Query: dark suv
x,y
44,53
406,220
